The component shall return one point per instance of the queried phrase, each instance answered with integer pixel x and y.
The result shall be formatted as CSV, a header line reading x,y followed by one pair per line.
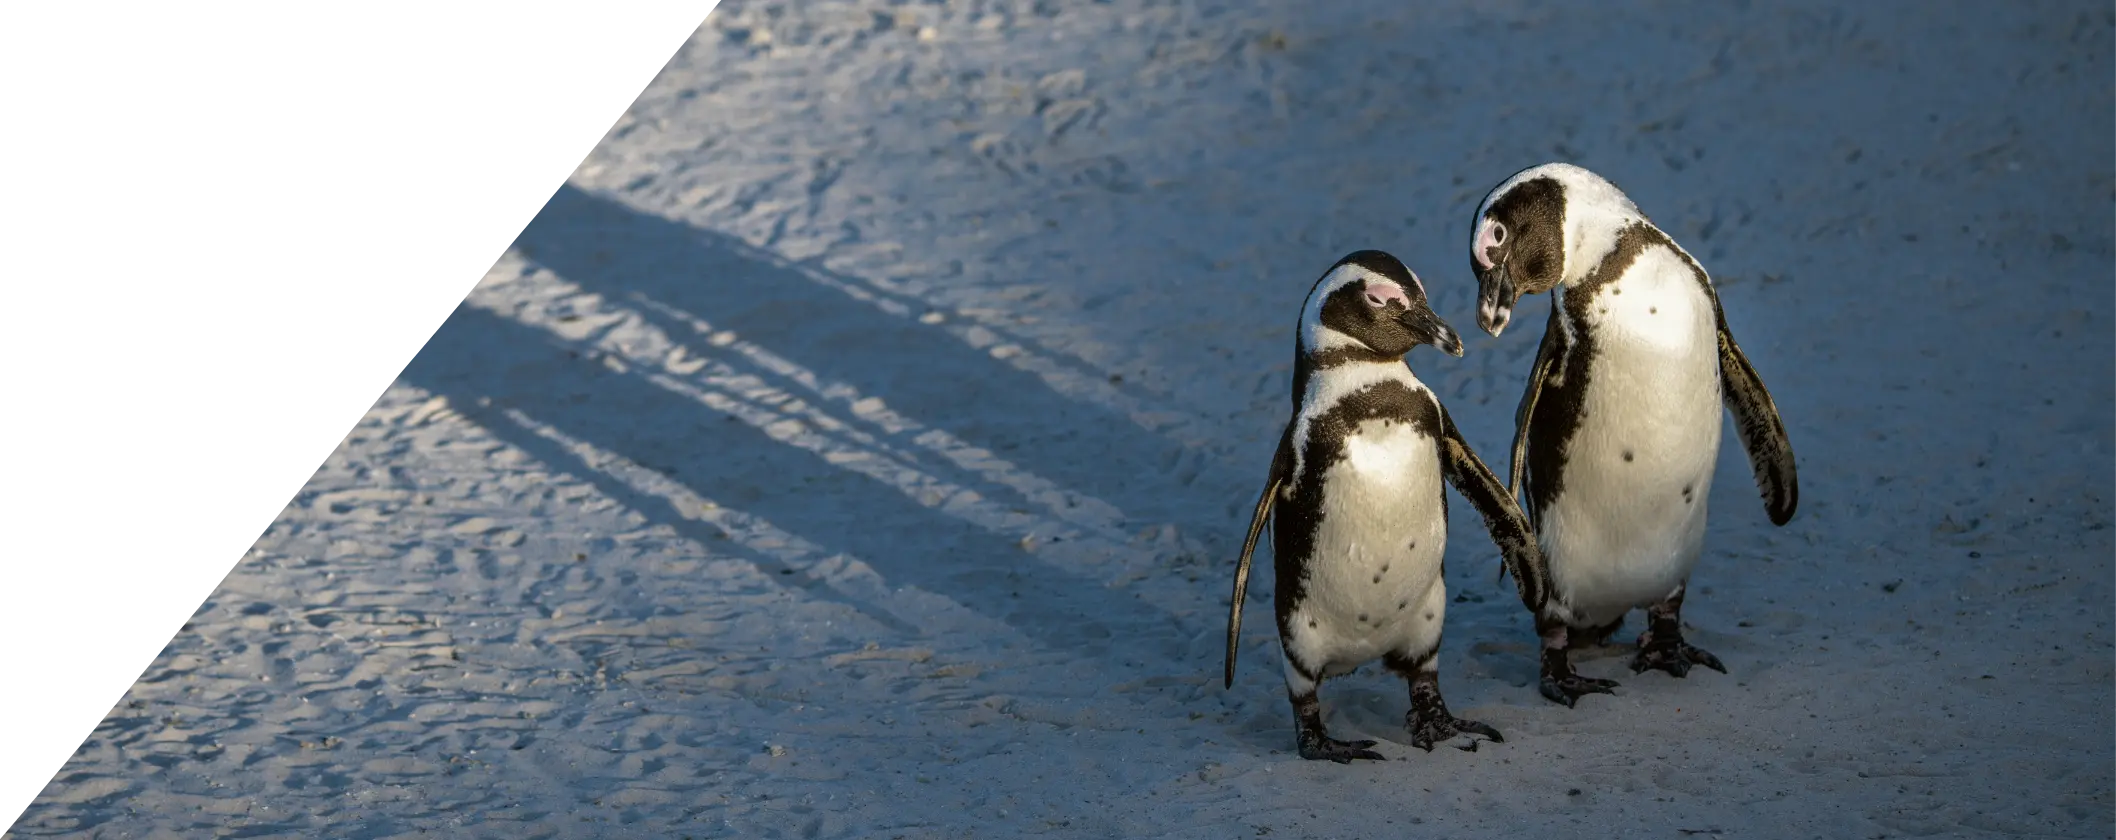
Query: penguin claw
x,y
1342,752
1699,656
1427,733
1674,658
1570,688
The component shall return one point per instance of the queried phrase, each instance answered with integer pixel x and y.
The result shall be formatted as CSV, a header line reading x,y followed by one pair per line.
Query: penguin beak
x,y
1444,337
1426,324
1496,296
1495,285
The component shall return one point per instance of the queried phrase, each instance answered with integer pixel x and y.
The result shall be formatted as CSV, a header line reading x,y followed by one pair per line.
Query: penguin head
x,y
1370,303
1527,229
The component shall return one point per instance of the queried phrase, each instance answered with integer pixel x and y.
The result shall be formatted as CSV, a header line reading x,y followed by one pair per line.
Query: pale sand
x,y
859,442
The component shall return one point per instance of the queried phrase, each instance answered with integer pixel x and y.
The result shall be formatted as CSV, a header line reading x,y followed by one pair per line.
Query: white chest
x,y
1383,493
1653,387
1373,577
1629,522
1655,335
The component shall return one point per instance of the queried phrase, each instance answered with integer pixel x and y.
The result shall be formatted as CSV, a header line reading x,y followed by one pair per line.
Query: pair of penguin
x,y
1617,437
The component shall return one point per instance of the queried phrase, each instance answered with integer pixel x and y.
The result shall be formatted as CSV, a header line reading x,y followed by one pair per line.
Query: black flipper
x,y
1756,420
1502,516
1281,464
1755,415
1547,353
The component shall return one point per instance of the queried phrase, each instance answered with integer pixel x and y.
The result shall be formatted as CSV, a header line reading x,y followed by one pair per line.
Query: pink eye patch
x,y
1380,295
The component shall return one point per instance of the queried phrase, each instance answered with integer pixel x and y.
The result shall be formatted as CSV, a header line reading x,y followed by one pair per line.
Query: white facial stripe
x,y
1313,335
1510,183
1323,338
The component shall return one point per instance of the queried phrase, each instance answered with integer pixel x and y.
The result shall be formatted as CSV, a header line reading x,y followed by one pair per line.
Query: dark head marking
x,y
1519,246
1369,307
1517,240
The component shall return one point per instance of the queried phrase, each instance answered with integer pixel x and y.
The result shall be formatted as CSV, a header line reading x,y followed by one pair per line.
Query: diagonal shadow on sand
x,y
622,253
480,358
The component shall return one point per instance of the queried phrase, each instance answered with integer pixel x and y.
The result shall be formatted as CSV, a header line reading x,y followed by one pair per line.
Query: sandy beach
x,y
859,443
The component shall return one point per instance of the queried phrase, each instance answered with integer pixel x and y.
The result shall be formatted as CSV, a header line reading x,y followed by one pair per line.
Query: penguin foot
x,y
1674,657
1569,688
1326,748
1315,742
1563,685
1661,646
1429,720
1428,730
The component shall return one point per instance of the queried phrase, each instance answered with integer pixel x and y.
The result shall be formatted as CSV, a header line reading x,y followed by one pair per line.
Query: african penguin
x,y
1358,509
1618,433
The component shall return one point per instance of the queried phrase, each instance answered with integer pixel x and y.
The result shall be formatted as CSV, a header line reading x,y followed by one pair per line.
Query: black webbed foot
x,y
1325,748
1568,689
1315,742
1427,732
1662,647
1563,685
1674,657
1429,721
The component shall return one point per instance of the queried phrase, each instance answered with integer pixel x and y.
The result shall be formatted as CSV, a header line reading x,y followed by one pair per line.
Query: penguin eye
x,y
1498,233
